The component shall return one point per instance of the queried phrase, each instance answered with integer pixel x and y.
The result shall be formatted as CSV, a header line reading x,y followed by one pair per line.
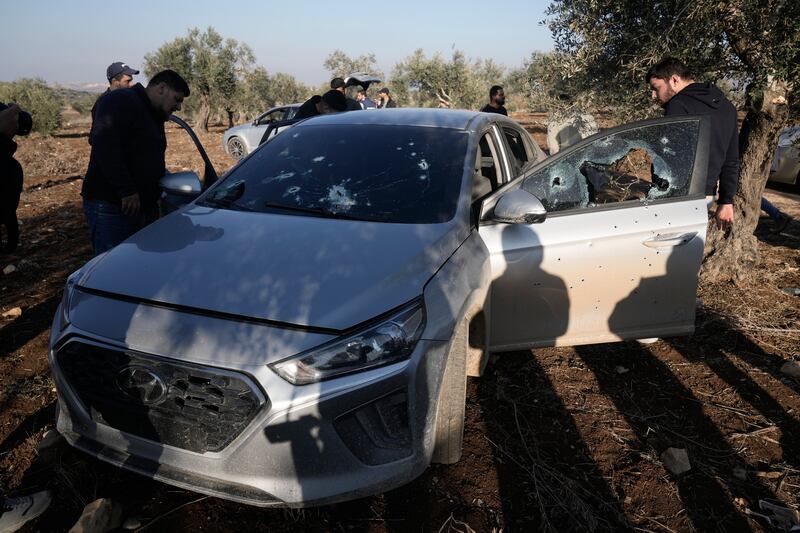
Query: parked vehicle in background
x,y
243,139
786,162
301,333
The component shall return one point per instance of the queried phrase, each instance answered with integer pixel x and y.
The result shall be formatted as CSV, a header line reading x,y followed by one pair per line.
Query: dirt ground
x,y
568,439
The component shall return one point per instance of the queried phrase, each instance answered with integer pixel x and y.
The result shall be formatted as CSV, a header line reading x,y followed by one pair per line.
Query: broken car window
x,y
641,164
364,172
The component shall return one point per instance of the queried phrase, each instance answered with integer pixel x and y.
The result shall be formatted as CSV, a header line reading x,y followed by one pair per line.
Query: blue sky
x,y
74,41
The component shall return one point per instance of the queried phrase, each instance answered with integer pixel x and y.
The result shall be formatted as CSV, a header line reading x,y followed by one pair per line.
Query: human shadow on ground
x,y
724,352
664,413
548,477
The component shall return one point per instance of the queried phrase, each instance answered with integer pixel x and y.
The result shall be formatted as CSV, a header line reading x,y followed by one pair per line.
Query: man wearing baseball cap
x,y
337,84
119,76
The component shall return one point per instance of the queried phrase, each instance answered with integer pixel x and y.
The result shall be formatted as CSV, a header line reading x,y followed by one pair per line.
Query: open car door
x,y
619,252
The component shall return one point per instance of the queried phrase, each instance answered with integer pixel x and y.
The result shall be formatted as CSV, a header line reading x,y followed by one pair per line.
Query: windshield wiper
x,y
315,211
223,203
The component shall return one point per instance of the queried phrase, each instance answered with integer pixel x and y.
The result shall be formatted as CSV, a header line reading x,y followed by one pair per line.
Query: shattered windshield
x,y
641,164
365,172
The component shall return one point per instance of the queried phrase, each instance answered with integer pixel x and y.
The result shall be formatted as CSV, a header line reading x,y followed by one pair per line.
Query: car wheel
x,y
451,405
236,148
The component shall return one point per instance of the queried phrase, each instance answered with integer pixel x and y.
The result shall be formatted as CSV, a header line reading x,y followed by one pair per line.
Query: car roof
x,y
460,119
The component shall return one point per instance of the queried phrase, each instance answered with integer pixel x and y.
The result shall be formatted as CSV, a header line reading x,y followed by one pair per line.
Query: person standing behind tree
x,y
121,188
497,101
673,87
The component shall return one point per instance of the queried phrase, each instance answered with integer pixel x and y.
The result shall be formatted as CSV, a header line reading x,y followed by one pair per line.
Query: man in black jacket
x,y
385,99
10,176
337,84
120,76
329,102
497,101
121,188
675,89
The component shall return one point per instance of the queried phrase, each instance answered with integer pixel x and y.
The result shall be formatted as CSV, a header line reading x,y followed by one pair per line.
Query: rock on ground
x,y
676,460
98,517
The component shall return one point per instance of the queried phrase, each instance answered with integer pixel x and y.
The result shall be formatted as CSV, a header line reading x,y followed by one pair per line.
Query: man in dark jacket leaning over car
x,y
121,188
675,89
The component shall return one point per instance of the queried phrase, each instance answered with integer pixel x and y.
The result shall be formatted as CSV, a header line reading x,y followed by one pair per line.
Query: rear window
x,y
369,172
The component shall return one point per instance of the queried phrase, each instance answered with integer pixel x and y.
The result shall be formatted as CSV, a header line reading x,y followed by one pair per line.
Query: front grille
x,y
188,406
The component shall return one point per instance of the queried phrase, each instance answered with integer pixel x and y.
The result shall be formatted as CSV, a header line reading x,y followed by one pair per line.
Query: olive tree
x,y
212,66
608,46
540,83
259,91
340,65
38,99
457,82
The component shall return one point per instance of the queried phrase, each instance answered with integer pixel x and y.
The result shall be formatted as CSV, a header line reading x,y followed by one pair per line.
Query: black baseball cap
x,y
117,68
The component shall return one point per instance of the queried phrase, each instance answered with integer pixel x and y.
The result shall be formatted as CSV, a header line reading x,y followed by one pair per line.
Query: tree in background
x,y
259,91
212,66
287,90
34,96
433,82
540,85
340,65
608,46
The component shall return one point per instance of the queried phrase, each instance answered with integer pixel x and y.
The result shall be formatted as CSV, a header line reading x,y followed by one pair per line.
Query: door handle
x,y
670,241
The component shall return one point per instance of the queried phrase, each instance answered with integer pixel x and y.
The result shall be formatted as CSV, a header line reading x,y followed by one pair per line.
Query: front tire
x,y
236,148
451,405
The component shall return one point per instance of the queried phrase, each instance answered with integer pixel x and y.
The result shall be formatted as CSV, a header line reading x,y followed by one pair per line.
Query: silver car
x,y
243,139
786,161
302,332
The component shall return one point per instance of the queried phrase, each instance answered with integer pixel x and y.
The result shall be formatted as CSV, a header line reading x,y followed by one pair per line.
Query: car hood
x,y
299,270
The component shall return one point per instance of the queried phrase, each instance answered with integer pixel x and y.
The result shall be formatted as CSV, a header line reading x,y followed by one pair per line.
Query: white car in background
x,y
241,140
786,162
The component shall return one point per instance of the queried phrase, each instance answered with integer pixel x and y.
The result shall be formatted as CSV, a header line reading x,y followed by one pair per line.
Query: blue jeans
x,y
109,226
770,209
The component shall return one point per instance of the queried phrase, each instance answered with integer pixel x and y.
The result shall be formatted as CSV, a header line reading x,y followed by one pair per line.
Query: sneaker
x,y
651,340
781,223
14,512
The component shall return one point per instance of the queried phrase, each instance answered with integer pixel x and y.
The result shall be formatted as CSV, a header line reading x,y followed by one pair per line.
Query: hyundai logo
x,y
141,384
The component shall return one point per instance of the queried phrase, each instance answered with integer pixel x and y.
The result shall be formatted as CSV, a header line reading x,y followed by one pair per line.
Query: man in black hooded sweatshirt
x,y
675,89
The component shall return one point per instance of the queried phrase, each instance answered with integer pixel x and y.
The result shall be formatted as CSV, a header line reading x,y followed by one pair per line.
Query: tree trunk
x,y
230,117
204,114
730,255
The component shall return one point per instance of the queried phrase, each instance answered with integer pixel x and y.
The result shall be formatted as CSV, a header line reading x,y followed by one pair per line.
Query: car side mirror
x,y
179,189
182,184
519,207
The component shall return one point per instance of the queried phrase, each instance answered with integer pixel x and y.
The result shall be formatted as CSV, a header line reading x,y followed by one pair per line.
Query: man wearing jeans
x,y
121,188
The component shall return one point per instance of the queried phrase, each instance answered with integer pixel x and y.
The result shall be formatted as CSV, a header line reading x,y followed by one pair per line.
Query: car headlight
x,y
389,341
72,280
